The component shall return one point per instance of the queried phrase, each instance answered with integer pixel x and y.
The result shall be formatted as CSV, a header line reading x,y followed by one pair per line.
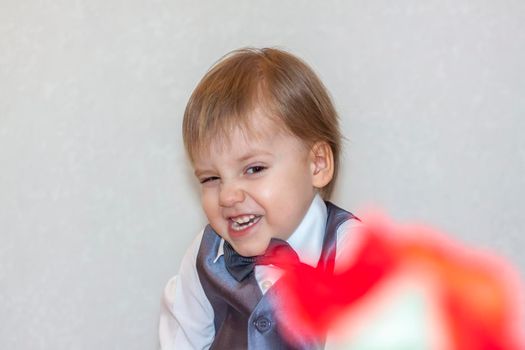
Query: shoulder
x,y
190,256
186,319
187,268
339,213
346,226
348,238
339,219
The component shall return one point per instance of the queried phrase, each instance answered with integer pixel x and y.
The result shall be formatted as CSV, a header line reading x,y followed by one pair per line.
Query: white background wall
x,y
97,202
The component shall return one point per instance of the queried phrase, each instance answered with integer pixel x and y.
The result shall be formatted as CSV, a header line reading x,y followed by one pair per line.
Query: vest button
x,y
262,324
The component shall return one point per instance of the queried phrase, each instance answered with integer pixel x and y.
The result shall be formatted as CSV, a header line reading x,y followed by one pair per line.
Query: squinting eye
x,y
255,169
208,179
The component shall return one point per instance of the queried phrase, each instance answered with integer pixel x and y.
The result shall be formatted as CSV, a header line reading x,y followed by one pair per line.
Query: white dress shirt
x,y
186,318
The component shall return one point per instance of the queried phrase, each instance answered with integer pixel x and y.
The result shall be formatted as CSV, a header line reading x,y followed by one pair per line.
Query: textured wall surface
x,y
97,201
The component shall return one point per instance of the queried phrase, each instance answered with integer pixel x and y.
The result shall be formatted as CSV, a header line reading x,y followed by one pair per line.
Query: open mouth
x,y
243,222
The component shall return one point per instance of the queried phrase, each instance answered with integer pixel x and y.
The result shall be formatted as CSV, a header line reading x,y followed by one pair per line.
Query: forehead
x,y
258,134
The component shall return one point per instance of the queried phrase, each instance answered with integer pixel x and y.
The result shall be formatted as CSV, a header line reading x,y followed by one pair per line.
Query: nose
x,y
230,194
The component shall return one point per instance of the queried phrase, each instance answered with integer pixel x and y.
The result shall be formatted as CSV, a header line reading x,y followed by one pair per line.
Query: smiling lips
x,y
242,222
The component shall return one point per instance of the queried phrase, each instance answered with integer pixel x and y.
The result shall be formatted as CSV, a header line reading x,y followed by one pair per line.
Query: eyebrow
x,y
198,173
252,154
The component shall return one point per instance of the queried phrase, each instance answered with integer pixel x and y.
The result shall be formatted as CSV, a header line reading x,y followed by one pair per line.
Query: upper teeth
x,y
244,219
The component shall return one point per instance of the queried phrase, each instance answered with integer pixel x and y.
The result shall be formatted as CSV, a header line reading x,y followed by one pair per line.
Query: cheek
x,y
292,181
286,188
209,203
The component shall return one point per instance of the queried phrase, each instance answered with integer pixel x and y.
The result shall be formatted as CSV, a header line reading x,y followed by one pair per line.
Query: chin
x,y
250,250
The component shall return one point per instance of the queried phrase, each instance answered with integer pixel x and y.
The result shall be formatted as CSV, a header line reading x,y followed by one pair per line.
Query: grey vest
x,y
243,317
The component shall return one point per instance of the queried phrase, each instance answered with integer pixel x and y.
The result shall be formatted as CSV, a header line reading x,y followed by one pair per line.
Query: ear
x,y
322,164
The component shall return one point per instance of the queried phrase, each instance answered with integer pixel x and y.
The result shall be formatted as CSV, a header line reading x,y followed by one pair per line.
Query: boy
x,y
263,137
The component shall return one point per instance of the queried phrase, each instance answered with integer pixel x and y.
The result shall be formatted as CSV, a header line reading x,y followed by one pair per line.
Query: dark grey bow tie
x,y
278,253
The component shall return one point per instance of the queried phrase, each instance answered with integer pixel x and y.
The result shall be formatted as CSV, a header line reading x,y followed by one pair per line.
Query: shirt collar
x,y
307,239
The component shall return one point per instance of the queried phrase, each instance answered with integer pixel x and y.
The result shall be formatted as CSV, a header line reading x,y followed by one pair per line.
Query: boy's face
x,y
256,188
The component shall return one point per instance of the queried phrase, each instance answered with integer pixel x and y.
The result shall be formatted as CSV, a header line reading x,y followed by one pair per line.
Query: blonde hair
x,y
277,82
